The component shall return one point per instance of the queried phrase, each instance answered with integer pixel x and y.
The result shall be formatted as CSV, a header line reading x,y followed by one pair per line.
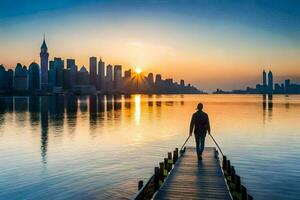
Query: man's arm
x,y
192,125
208,125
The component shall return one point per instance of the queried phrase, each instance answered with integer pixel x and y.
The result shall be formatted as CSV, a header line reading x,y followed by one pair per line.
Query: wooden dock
x,y
182,176
193,179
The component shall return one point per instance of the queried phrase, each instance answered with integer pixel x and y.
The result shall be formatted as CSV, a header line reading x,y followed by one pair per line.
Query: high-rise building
x,y
71,65
67,79
58,65
93,71
101,75
44,55
287,85
34,76
83,76
264,75
127,73
109,78
158,78
21,78
182,83
2,77
270,82
150,78
9,79
118,77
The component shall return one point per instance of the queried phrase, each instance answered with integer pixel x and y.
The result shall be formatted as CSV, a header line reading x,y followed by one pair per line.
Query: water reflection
x,y
104,136
137,108
44,128
101,103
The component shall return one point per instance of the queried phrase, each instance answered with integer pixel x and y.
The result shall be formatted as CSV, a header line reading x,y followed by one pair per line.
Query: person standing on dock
x,y
200,125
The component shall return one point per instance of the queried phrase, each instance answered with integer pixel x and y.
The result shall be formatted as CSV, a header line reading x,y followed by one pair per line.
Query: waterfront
x,y
93,147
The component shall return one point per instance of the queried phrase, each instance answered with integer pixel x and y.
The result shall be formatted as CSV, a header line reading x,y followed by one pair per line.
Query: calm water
x,y
100,147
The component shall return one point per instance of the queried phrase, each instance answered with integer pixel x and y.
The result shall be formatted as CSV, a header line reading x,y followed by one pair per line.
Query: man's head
x,y
200,106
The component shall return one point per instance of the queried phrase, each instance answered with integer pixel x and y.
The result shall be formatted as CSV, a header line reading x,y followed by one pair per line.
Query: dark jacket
x,y
200,123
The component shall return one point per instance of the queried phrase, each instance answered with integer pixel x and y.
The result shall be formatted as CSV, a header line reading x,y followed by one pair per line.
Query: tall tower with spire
x,y
264,78
270,82
44,56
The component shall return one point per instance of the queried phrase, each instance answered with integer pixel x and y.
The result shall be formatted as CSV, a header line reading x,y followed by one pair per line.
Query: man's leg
x,y
202,140
197,139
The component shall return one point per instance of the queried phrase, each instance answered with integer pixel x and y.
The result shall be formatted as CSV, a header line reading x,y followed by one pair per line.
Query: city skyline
x,y
53,77
209,43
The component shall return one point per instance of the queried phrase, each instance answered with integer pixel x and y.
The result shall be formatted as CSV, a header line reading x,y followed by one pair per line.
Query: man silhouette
x,y
200,125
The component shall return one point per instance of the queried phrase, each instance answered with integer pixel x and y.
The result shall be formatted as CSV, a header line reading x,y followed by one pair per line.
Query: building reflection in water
x,y
109,105
270,107
158,101
264,104
101,104
182,99
34,110
71,112
150,100
93,111
117,102
127,101
44,128
83,104
287,103
137,108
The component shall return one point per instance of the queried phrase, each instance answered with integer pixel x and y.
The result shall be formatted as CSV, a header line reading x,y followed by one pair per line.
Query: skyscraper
x,y
270,82
93,71
44,55
118,76
2,77
264,78
73,71
21,78
150,78
34,76
109,78
59,67
101,75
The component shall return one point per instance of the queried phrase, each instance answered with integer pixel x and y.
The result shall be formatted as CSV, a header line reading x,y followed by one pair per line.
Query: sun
x,y
138,70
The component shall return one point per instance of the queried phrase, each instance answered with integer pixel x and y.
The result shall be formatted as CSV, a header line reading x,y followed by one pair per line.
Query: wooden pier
x,y
184,177
193,179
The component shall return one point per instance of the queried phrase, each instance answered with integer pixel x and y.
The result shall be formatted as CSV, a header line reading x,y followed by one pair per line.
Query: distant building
x,y
150,78
21,78
101,75
44,55
264,75
59,67
117,77
34,76
67,79
71,65
83,76
109,78
93,71
182,83
158,79
270,82
2,77
9,79
127,73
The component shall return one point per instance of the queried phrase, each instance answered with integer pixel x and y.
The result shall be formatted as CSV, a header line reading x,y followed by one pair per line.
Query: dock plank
x,y
193,179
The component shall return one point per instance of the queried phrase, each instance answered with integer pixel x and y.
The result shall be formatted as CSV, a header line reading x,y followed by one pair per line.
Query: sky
x,y
211,44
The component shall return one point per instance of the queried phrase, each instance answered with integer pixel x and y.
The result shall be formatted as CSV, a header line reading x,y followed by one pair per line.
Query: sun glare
x,y
138,70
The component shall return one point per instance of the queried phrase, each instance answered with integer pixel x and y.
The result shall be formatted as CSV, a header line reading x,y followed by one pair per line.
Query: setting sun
x,y
138,70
